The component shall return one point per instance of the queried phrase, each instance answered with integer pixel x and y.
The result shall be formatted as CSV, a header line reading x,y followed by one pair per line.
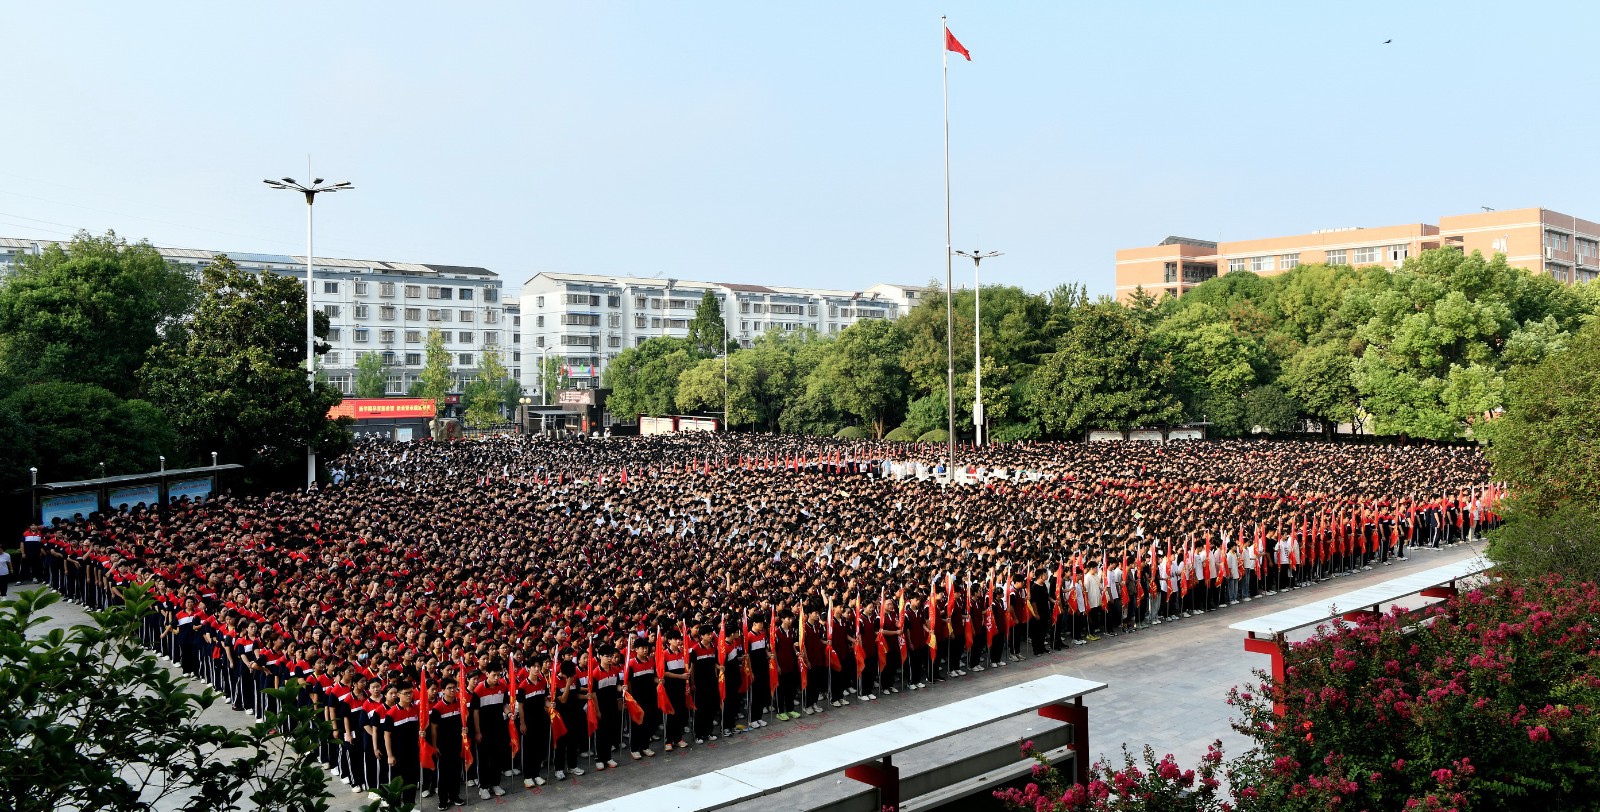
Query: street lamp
x,y
310,191
163,459
977,258
213,459
102,470
34,473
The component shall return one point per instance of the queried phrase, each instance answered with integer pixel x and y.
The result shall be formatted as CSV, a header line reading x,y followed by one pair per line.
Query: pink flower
x,y
1539,734
1399,764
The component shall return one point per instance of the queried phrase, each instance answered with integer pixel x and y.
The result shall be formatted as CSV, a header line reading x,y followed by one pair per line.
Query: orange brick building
x,y
1543,241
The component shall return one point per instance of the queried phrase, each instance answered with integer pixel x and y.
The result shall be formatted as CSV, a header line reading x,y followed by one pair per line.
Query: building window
x,y
413,359
538,321
1235,265
361,334
539,302
1555,240
465,294
1261,264
413,336
361,288
330,287
1168,276
433,314
613,302
333,334
614,341
1586,249
1366,256
467,316
341,381
491,294
538,341
1398,253
413,291
386,336
464,337
614,320
386,290
1288,261
464,359
639,322
387,312
413,313
330,358
363,312
1339,257
491,337
491,316
388,358
331,311
516,358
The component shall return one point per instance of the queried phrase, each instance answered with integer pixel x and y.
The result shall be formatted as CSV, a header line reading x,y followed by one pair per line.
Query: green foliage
x,y
372,376
926,414
852,433
435,381
1104,374
67,429
1270,410
555,378
1533,542
1545,446
935,436
1320,378
233,378
89,313
707,333
486,394
901,435
861,374
94,721
644,379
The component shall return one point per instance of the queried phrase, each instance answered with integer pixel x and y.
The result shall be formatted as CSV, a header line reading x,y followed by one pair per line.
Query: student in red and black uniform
x,y
916,632
677,682
400,737
842,679
444,733
815,653
373,713
787,696
569,703
733,675
491,731
607,696
642,687
534,722
353,736
760,673
703,656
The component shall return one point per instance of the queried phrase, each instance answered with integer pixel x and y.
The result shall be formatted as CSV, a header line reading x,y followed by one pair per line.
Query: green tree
x,y
89,313
1267,408
1320,378
1545,446
233,376
487,394
67,429
707,332
95,721
644,379
436,380
372,376
555,378
861,374
1215,363
1103,375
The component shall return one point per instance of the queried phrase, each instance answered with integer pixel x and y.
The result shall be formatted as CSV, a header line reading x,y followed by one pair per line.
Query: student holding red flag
x,y
445,734
400,739
672,663
786,660
567,723
533,719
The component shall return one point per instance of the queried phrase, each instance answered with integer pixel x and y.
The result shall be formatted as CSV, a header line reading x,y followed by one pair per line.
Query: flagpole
x,y
949,292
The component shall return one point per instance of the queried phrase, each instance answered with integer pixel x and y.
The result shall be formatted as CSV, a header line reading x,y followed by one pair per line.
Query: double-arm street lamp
x,y
977,258
316,187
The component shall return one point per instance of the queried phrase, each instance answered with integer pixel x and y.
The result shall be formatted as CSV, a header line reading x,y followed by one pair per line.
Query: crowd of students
x,y
473,613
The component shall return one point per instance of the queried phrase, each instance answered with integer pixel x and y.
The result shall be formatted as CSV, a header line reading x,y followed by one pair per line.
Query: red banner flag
x,y
466,744
593,705
511,706
425,751
662,700
953,44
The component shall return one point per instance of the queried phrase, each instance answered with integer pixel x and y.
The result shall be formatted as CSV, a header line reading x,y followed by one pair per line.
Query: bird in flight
x,y
1387,41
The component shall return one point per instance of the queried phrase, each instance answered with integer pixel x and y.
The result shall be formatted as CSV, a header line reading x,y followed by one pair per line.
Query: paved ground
x,y
1167,688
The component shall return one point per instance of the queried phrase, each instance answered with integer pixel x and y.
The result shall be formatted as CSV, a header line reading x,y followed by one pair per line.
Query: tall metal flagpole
x,y
949,292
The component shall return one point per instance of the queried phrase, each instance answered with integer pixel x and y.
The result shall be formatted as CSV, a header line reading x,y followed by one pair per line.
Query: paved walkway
x,y
1168,687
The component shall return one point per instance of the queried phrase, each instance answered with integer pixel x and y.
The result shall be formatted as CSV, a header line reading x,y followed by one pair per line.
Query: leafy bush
x,y
901,435
1490,703
1016,432
851,433
935,436
1161,786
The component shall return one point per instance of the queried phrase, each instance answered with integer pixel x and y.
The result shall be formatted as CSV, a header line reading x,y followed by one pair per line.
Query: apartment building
x,y
1540,240
376,306
586,320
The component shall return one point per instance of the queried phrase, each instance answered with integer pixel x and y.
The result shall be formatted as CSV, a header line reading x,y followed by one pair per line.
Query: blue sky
x,y
781,142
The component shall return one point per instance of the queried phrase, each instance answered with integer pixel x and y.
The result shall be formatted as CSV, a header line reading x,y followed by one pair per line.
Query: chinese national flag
x,y
953,44
860,651
635,710
424,749
662,701
558,726
594,691
722,660
461,691
772,650
511,707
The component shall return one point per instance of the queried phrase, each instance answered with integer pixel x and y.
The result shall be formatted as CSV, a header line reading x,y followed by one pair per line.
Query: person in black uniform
x,y
569,704
642,687
444,733
608,695
490,730
534,723
400,743
677,682
707,702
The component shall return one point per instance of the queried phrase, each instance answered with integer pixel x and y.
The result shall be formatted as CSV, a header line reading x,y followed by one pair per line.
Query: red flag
x,y
461,692
953,44
722,658
833,655
511,706
688,696
933,620
859,650
967,624
804,666
662,700
635,710
883,644
424,749
558,726
772,651
593,705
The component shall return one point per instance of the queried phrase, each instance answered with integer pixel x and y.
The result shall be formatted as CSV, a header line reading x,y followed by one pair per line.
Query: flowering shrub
x,y
1489,703
1159,786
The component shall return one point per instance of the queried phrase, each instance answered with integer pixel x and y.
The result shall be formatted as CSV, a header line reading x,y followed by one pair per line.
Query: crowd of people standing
x,y
471,613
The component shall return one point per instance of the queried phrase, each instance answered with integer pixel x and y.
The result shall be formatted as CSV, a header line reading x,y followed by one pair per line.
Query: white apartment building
x,y
586,319
377,306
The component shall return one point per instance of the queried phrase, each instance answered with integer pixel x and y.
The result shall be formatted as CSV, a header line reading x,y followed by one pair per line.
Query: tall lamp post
x,y
977,258
311,191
